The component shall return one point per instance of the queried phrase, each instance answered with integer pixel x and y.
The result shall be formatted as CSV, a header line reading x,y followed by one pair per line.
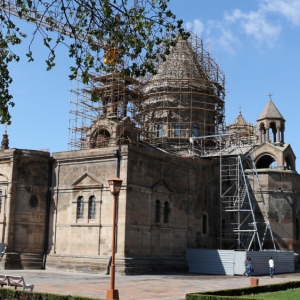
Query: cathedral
x,y
189,180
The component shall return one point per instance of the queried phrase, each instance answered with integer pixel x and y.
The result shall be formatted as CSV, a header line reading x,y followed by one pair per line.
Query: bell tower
x,y
271,124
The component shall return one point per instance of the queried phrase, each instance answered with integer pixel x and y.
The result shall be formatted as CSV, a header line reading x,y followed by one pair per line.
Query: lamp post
x,y
115,187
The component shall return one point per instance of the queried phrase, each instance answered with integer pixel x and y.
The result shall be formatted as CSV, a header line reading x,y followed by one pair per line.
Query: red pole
x,y
113,294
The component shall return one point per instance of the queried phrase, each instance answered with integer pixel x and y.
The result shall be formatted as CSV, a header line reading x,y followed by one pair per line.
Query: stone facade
x,y
167,204
145,241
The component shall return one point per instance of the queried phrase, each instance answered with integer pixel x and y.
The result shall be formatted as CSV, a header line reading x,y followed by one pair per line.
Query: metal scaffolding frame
x,y
105,122
185,98
244,219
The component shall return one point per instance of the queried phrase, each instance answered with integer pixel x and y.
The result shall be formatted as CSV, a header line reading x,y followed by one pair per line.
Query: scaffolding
x,y
244,219
185,98
108,120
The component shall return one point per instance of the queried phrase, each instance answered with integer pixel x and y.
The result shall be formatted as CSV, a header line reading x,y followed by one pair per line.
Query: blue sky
x,y
256,43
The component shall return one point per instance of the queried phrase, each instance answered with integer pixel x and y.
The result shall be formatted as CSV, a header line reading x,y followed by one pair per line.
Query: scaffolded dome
x,y
184,99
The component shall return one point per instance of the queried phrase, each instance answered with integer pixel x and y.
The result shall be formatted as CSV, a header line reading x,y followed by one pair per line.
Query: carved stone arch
x,y
262,125
273,131
289,163
128,137
265,161
3,178
100,137
262,131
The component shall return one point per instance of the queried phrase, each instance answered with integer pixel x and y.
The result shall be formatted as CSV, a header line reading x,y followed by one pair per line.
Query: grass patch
x,y
286,290
292,294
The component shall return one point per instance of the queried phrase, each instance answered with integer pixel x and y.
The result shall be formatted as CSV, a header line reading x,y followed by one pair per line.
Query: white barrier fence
x,y
230,262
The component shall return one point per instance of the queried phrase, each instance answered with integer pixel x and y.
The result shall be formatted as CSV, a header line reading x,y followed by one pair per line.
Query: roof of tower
x,y
240,120
270,112
181,63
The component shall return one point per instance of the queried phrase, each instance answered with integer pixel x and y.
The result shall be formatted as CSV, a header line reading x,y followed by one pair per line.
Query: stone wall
x,y
143,245
84,244
189,187
24,206
281,191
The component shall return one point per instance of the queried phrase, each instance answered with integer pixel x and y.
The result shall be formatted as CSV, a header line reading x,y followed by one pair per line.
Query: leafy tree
x,y
129,34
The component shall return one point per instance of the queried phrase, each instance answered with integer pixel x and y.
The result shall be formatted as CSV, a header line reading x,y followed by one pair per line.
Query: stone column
x,y
260,135
267,137
278,134
7,219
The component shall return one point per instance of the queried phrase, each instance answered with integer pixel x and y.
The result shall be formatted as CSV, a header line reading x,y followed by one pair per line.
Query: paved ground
x,y
146,287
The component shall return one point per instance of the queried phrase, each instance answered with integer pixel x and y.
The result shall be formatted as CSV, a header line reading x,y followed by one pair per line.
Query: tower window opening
x,y
92,207
266,161
80,207
166,213
157,211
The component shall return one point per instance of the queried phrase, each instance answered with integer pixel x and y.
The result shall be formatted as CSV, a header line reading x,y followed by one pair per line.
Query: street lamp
x,y
115,187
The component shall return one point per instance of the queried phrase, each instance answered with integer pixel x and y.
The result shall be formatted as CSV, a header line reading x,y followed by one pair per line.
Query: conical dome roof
x,y
240,120
180,63
270,112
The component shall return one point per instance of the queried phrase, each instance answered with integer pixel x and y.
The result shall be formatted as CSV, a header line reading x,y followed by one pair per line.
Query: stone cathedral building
x,y
162,138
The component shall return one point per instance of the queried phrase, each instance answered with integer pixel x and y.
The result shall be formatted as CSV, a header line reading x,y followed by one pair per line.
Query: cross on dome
x,y
270,95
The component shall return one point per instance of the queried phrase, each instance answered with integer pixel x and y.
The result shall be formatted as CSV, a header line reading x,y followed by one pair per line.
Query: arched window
x,y
159,130
157,211
80,207
195,130
297,229
204,224
92,207
288,165
166,212
176,130
100,138
266,161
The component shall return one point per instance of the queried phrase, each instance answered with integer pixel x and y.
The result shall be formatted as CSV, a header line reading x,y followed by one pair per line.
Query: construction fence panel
x,y
230,262
206,261
283,261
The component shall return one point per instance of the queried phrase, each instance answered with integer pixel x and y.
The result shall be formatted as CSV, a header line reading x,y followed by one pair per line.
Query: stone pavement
x,y
146,287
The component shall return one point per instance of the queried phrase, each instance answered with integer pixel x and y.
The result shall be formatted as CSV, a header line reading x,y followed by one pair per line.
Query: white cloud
x,y
189,26
290,9
227,40
255,24
217,33
259,24
196,26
